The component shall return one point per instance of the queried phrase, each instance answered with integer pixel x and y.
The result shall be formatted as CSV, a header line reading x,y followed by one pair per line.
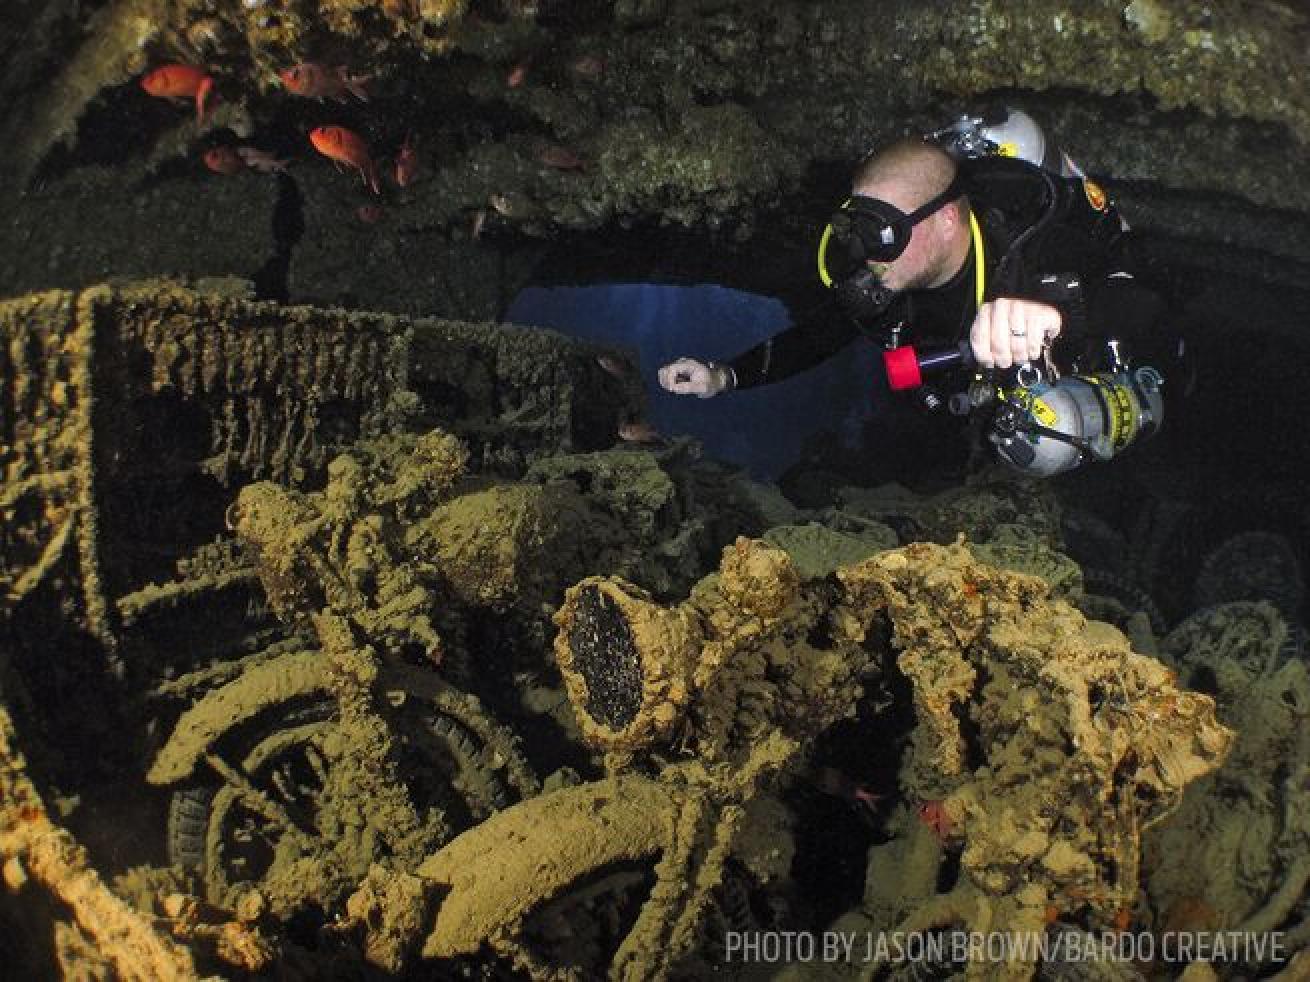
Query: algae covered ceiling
x,y
538,121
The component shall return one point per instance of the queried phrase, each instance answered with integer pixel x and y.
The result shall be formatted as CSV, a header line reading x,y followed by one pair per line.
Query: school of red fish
x,y
344,147
180,82
309,80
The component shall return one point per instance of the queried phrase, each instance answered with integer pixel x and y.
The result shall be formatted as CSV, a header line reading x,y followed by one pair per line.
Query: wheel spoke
x,y
260,803
314,758
282,783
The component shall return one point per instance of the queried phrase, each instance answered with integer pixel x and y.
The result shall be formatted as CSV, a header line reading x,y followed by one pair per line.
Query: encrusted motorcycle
x,y
707,709
341,745
400,590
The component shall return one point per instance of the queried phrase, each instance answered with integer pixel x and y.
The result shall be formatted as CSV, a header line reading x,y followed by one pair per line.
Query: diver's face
x,y
916,267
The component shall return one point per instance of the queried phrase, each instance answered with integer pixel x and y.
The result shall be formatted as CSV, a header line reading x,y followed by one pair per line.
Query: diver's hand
x,y
689,377
1010,331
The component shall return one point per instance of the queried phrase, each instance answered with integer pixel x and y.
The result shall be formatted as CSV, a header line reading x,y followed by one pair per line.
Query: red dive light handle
x,y
907,367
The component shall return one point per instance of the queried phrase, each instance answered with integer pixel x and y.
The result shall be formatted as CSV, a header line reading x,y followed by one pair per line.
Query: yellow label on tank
x,y
1123,415
1120,410
1043,413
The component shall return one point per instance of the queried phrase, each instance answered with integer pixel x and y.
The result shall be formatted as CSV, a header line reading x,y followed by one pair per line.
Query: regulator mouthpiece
x,y
863,296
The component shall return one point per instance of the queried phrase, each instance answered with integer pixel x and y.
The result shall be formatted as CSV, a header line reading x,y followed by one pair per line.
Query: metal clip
x,y
1117,361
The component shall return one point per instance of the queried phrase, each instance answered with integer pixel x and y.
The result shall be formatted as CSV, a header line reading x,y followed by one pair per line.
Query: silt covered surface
x,y
446,654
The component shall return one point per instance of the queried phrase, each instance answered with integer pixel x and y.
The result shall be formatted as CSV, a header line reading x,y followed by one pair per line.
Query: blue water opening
x,y
763,430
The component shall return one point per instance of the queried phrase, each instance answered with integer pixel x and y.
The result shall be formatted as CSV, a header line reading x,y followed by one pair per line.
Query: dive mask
x,y
868,230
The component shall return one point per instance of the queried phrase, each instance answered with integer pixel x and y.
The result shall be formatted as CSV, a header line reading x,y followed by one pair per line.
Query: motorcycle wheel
x,y
214,831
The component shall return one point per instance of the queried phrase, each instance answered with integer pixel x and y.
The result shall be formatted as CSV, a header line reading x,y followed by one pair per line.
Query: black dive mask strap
x,y
953,191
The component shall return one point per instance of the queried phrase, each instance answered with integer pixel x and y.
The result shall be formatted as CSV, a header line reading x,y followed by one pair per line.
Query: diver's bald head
x,y
906,174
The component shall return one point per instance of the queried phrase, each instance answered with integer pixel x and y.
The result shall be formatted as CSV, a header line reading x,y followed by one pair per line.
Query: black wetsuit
x,y
1071,254
1045,238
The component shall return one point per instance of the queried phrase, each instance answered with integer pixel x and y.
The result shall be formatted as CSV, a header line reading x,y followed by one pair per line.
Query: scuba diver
x,y
995,277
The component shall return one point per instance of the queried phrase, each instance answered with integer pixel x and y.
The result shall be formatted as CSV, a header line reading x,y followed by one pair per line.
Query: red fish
x,y
224,160
315,81
588,66
406,162
935,815
639,432
518,74
181,82
261,160
560,158
343,146
369,214
227,159
831,781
